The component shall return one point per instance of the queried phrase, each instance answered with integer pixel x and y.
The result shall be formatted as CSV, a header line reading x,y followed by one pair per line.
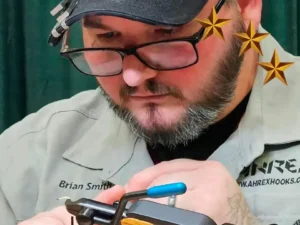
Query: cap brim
x,y
154,12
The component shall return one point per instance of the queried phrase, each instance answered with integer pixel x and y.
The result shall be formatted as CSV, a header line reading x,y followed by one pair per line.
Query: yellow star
x,y
213,25
275,68
251,39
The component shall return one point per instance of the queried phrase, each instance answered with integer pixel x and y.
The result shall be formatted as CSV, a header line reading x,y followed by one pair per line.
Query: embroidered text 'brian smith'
x,y
88,186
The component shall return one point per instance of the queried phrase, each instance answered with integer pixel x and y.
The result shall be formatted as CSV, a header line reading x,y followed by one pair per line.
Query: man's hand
x,y
60,216
210,189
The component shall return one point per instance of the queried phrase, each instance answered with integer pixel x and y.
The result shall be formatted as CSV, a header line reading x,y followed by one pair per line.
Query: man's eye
x,y
166,31
108,35
169,31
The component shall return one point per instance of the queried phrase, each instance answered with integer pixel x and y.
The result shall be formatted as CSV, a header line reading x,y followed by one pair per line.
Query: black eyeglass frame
x,y
193,40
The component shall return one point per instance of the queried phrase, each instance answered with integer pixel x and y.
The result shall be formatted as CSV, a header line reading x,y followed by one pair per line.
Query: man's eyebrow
x,y
94,23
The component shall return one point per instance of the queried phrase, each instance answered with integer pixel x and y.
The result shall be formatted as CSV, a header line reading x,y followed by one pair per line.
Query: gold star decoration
x,y
251,39
275,68
213,25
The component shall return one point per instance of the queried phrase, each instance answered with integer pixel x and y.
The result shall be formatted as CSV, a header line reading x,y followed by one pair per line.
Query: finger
x,y
60,214
111,195
57,216
47,220
143,179
186,201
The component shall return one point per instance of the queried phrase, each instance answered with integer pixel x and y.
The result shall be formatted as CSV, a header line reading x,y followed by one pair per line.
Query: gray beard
x,y
200,115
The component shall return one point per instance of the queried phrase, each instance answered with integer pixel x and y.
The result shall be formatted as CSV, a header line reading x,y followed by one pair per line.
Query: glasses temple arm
x,y
65,40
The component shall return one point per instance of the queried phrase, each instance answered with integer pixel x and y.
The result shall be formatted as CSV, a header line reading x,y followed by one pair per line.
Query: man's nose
x,y
135,72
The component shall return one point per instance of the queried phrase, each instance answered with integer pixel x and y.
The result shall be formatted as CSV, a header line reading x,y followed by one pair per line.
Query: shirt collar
x,y
280,103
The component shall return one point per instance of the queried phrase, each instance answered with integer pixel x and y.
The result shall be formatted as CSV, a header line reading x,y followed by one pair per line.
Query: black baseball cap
x,y
154,12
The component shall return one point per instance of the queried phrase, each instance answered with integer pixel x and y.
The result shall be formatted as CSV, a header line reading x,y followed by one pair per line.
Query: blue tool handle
x,y
166,190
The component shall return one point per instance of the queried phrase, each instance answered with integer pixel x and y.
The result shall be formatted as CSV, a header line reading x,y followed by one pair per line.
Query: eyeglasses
x,y
173,54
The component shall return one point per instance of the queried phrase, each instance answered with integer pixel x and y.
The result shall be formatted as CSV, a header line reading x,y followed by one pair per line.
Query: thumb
x,y
111,195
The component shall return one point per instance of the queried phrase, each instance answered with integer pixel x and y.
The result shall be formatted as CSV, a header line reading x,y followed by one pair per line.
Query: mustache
x,y
153,87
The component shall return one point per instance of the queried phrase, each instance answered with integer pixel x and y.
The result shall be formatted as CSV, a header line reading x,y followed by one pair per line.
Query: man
x,y
198,106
